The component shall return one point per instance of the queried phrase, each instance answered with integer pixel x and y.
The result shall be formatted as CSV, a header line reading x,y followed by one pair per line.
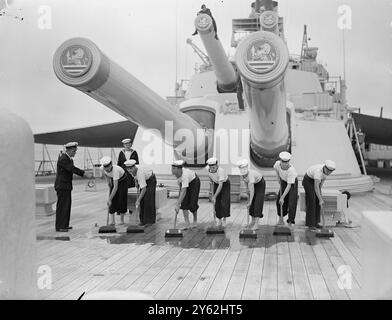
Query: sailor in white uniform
x,y
189,184
127,154
118,189
255,186
146,184
220,186
288,182
313,182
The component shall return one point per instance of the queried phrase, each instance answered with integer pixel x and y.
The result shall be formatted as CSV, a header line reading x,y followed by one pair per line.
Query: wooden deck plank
x,y
317,282
140,283
237,281
133,275
351,245
253,279
189,281
285,276
186,267
206,279
116,270
336,260
302,288
200,266
329,273
76,274
218,287
197,274
194,239
86,272
348,258
269,283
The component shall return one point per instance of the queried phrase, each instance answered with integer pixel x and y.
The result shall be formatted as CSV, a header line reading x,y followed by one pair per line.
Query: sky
x,y
148,39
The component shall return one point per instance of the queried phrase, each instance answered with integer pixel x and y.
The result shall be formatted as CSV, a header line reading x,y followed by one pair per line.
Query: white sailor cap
x,y
178,163
71,145
105,161
130,163
243,166
285,156
126,141
331,165
212,161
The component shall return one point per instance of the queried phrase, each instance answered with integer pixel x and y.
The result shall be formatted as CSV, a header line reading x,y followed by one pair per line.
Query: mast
x,y
304,43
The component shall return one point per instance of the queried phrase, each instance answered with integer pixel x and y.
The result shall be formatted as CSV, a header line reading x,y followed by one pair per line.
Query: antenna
x,y
344,54
176,85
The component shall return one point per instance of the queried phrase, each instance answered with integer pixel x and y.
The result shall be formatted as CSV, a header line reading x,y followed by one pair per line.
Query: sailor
x,y
313,182
127,154
118,189
207,11
220,184
146,184
288,182
63,185
253,14
255,186
189,184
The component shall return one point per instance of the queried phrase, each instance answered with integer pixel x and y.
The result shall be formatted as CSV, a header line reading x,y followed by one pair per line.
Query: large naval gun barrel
x,y
79,63
224,71
262,59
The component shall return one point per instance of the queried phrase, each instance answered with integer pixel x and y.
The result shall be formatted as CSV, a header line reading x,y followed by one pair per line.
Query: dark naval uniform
x,y
146,179
120,162
191,181
288,176
63,187
222,203
256,178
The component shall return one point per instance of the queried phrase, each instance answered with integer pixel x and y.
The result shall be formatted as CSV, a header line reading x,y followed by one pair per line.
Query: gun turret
x,y
262,59
79,63
224,71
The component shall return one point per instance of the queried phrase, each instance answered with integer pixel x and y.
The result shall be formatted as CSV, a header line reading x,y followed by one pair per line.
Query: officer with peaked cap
x,y
189,184
220,186
288,182
313,182
127,154
63,185
118,189
146,184
255,186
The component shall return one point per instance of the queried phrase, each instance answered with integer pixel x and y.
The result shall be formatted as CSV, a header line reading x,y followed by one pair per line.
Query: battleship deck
x,y
200,266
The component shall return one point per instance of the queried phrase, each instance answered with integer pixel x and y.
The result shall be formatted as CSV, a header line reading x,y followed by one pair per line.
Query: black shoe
x,y
216,37
62,230
319,226
195,33
69,228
